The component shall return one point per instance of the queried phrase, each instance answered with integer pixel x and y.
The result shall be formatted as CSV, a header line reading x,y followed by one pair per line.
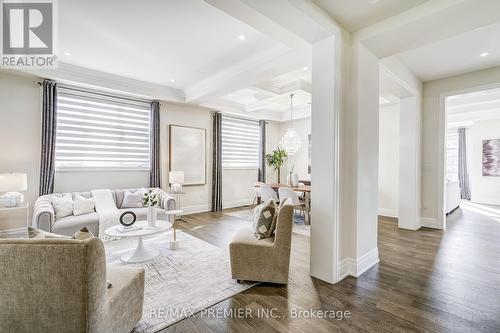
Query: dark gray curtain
x,y
49,114
262,152
154,174
217,163
463,174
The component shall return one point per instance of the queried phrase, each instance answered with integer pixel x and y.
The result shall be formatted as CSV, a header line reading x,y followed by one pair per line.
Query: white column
x,y
366,108
324,163
409,164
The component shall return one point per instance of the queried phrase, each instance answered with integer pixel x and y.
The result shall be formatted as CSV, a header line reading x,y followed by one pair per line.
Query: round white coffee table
x,y
141,253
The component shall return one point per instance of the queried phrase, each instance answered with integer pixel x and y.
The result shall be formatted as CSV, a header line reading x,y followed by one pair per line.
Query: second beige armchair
x,y
265,260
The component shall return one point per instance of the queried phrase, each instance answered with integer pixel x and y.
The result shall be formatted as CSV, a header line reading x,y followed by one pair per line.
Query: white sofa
x,y
44,216
452,196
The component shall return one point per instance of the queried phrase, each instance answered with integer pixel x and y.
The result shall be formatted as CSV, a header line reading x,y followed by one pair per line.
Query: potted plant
x,y
276,160
150,200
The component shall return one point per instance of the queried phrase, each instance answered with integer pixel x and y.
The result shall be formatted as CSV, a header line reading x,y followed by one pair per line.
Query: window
x,y
240,143
452,155
95,130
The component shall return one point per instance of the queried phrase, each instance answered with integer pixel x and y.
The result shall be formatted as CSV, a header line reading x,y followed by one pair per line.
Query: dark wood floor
x,y
426,281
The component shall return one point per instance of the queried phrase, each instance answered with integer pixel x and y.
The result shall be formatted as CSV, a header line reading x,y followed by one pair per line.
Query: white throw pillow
x,y
62,206
83,205
132,199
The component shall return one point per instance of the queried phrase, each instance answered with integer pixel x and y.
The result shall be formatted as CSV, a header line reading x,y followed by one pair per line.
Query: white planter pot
x,y
152,216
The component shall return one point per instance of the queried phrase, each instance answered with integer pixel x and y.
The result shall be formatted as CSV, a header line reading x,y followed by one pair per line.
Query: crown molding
x,y
91,78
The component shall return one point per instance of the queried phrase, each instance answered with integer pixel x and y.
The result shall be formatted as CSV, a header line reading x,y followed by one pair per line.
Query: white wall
x,y
20,123
388,175
300,160
197,197
483,189
431,154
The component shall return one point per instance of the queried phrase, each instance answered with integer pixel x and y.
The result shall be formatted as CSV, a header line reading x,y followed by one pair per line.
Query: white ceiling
x,y
357,14
174,43
475,106
270,99
456,55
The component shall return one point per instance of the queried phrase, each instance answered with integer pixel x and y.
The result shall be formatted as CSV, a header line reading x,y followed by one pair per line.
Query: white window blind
x,y
96,130
452,155
240,143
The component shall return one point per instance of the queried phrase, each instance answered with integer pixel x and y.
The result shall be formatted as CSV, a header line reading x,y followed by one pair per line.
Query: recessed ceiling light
x,y
305,68
484,54
242,37
230,95
67,53
172,80
372,2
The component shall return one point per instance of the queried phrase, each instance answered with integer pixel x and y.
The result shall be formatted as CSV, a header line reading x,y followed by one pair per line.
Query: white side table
x,y
174,244
141,253
14,217
177,196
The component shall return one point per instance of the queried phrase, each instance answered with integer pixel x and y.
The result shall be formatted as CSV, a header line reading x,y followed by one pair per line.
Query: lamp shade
x,y
13,182
176,177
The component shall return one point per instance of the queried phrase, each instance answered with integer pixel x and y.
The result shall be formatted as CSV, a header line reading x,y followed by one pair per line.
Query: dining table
x,y
306,189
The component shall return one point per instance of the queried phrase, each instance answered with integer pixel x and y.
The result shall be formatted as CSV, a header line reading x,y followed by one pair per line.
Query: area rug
x,y
180,282
299,227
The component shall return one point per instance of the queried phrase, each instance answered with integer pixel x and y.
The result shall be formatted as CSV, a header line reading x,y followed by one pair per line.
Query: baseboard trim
x,y
429,222
195,209
355,268
388,212
237,203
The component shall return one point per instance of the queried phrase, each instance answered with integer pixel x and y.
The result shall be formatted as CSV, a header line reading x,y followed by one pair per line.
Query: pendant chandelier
x,y
291,141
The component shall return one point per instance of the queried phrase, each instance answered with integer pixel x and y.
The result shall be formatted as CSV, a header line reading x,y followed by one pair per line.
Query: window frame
x,y
240,167
111,97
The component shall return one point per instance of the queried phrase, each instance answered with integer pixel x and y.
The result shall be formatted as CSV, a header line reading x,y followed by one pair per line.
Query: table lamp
x,y
176,179
12,183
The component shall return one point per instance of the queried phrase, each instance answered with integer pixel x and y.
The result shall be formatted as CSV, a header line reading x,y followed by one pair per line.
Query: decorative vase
x,y
151,216
289,179
295,179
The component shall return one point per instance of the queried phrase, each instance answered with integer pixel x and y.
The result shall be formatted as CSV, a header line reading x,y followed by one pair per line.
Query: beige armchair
x,y
59,285
267,259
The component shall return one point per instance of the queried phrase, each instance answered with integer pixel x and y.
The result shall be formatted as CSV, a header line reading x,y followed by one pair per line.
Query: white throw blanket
x,y
105,206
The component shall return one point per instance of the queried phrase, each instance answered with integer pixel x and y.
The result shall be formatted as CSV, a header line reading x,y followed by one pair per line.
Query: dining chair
x,y
267,192
288,193
300,194
256,195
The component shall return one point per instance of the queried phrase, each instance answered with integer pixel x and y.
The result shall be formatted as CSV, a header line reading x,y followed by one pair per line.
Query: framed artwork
x,y
491,157
187,152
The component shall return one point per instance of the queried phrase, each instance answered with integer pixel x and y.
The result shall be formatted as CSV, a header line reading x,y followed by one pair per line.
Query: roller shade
x,y
240,143
97,130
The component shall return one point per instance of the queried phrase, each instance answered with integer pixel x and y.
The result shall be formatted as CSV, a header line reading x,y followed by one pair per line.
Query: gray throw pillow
x,y
264,219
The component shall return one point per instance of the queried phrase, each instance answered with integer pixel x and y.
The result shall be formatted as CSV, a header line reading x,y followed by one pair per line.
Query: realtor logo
x,y
28,34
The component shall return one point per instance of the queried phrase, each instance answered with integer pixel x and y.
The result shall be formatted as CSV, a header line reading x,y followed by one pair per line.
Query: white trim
x,y
347,267
236,203
429,222
94,79
388,212
356,268
195,209
442,115
336,189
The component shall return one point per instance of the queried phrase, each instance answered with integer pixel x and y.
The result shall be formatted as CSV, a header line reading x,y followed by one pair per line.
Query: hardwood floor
x,y
426,281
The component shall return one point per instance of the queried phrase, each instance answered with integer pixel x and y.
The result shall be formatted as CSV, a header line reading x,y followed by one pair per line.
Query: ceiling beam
x,y
423,25
263,67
